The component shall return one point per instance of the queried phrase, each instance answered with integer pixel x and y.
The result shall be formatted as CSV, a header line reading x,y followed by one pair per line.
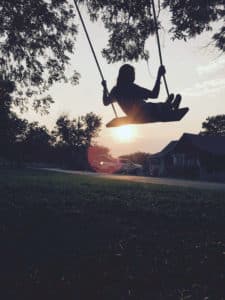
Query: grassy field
x,y
74,237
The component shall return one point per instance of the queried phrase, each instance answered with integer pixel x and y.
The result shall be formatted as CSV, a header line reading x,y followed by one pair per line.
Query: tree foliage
x,y
79,132
214,126
130,23
11,127
11,132
37,37
72,138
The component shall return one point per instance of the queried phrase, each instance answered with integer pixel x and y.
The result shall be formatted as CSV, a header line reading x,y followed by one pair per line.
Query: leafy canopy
x,y
214,126
77,133
36,40
130,22
37,37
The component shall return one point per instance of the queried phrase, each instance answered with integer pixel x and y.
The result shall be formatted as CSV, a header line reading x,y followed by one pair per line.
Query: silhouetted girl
x,y
131,97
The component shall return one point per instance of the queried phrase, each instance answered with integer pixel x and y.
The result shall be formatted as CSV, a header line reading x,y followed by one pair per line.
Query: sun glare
x,y
124,133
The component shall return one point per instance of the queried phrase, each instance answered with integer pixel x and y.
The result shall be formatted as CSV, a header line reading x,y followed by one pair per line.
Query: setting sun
x,y
125,133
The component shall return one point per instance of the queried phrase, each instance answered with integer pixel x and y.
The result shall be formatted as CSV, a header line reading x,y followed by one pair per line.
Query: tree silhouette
x,y
92,124
77,132
36,143
130,23
214,126
11,127
74,137
37,37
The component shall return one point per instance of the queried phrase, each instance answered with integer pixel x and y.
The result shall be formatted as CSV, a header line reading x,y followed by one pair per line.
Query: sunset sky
x,y
193,70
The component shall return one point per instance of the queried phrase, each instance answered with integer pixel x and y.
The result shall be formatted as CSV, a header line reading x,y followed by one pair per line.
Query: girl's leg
x,y
149,111
176,102
156,110
170,99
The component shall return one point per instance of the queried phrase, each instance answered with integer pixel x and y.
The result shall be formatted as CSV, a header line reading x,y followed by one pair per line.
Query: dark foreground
x,y
73,237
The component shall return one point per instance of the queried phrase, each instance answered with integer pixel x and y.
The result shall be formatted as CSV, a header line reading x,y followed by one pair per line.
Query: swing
x,y
168,116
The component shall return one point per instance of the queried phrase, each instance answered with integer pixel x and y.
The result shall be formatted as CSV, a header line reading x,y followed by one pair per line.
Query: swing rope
x,y
92,49
159,46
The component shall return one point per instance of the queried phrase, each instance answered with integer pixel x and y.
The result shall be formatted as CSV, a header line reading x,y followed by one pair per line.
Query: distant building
x,y
192,156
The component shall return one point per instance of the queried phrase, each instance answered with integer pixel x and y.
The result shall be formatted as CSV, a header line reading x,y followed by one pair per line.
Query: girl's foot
x,y
176,102
169,100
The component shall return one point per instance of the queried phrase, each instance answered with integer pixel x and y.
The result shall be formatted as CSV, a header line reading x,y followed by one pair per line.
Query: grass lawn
x,y
76,237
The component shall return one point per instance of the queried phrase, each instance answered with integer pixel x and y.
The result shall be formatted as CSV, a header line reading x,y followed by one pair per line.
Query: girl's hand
x,y
161,71
104,84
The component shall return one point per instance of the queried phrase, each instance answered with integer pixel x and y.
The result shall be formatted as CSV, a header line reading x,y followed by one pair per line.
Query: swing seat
x,y
169,116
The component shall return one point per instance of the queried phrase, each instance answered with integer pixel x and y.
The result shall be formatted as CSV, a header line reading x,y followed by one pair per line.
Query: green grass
x,y
79,237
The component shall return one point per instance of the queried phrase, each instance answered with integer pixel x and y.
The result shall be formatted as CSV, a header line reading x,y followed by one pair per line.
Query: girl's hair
x,y
126,75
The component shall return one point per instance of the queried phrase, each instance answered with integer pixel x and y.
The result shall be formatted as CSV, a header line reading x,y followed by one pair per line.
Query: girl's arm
x,y
156,88
106,96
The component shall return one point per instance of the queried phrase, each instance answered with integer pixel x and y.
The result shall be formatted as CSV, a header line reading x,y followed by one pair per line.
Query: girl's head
x,y
126,75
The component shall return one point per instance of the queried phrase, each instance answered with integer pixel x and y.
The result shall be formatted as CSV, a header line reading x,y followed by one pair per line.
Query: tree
x,y
77,132
19,140
12,131
36,143
74,137
11,127
92,125
37,37
214,126
124,18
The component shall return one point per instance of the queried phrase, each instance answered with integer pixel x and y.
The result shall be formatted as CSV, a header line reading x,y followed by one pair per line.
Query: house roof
x,y
169,148
206,143
210,144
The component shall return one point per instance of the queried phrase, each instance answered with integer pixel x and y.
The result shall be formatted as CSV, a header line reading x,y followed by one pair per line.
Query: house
x,y
4,162
161,162
192,156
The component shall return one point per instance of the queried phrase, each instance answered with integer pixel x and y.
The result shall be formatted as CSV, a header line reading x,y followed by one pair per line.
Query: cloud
x,y
212,67
207,87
